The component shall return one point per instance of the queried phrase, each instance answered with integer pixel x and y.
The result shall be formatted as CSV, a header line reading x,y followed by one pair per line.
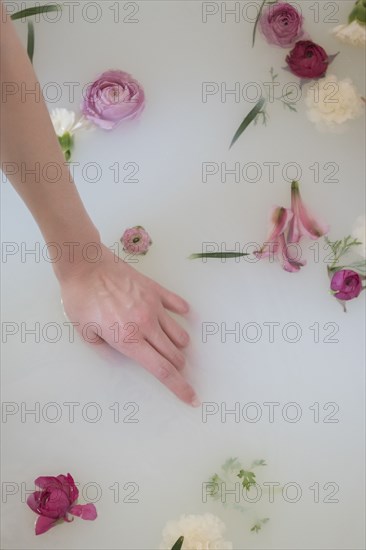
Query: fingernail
x,y
195,402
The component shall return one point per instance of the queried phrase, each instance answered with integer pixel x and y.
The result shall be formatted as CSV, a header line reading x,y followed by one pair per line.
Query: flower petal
x,y
33,500
43,524
84,511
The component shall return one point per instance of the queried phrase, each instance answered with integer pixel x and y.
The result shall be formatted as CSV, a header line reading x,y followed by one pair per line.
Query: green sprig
x,y
258,526
340,248
248,479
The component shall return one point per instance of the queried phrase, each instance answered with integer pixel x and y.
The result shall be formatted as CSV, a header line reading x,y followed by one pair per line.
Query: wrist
x,y
71,256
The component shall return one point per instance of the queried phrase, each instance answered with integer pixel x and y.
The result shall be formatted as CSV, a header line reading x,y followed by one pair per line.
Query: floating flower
x,y
200,533
113,97
55,501
359,233
276,242
308,60
281,24
65,126
354,33
136,240
333,102
346,284
302,223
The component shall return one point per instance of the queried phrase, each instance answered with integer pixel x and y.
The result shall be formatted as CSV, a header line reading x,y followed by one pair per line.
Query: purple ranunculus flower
x,y
346,284
113,97
308,60
281,24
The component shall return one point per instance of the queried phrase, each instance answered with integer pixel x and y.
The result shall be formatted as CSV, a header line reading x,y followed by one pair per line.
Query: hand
x,y
130,313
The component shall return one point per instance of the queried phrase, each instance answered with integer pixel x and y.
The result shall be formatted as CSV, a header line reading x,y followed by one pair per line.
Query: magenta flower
x,y
276,243
136,240
113,97
55,501
281,24
346,284
308,60
303,224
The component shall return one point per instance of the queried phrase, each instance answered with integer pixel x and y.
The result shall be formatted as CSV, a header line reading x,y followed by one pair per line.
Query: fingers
x,y
160,341
172,301
164,371
156,362
175,332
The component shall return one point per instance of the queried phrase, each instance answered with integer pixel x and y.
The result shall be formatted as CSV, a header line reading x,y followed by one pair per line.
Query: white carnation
x,y
359,233
200,533
331,102
63,121
354,33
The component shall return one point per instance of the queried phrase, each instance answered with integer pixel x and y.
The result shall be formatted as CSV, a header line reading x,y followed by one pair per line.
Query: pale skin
x,y
109,291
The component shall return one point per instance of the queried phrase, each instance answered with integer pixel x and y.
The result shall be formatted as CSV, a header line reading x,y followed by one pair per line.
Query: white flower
x,y
64,121
354,33
199,532
359,233
332,102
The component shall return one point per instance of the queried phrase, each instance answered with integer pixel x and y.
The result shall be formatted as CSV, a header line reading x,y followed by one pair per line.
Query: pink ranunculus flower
x,y
302,223
346,284
136,240
55,501
113,97
308,60
276,243
282,24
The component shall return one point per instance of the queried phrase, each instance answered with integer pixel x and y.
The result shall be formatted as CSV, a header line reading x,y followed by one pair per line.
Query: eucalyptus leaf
x,y
178,545
248,119
217,255
29,12
30,41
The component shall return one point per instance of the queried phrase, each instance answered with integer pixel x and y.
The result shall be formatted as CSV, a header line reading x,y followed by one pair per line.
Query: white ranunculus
x,y
354,33
63,121
331,102
359,233
200,533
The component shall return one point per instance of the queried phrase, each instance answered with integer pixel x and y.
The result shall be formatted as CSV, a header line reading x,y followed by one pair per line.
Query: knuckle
x,y
163,373
184,338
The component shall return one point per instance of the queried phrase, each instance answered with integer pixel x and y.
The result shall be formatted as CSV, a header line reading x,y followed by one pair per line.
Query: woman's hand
x,y
130,314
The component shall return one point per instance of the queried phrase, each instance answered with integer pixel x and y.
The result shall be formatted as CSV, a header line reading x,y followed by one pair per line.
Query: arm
x,y
108,291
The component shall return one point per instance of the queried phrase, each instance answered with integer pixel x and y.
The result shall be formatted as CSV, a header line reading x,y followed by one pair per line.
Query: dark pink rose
x,y
346,284
113,97
308,60
281,24
55,501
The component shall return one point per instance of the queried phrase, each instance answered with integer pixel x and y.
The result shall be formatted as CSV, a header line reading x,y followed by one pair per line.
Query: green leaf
x,y
28,12
248,119
256,22
178,545
217,255
259,463
30,41
248,479
258,526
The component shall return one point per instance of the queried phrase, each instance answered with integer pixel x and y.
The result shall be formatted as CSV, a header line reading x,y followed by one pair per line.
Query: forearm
x,y
28,145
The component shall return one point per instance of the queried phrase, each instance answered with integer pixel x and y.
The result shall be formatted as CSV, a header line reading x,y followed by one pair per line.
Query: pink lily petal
x,y
280,218
302,223
287,263
43,524
84,511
